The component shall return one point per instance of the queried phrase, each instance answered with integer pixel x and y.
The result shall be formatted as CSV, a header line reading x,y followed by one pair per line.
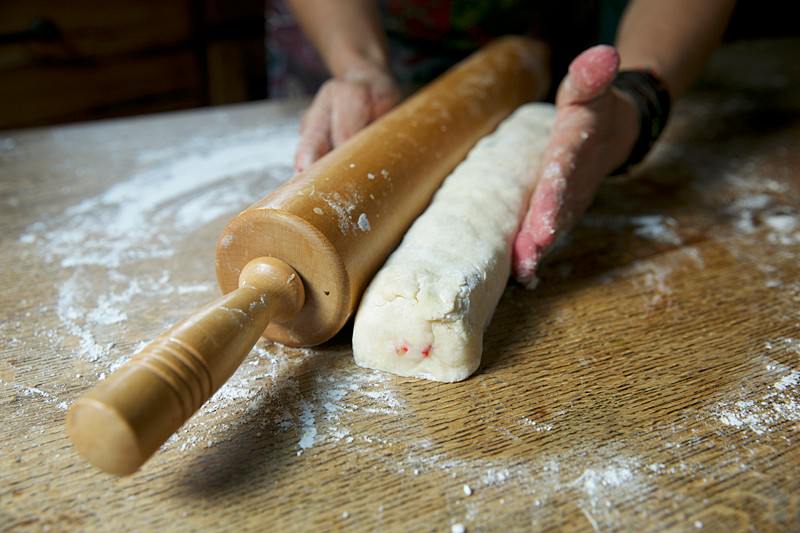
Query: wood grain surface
x,y
649,383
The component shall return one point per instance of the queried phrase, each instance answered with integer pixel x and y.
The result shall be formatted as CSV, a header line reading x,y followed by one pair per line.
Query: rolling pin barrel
x,y
338,221
293,265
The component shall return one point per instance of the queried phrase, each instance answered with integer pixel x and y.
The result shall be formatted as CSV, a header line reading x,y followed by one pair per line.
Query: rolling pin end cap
x,y
279,279
103,437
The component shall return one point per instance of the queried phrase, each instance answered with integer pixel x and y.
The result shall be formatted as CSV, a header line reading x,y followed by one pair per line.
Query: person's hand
x,y
341,108
595,129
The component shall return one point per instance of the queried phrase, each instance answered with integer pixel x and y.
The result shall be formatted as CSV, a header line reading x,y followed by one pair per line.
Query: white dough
x,y
425,312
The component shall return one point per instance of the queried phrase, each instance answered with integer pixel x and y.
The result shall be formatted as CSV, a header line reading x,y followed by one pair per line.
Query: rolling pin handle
x,y
124,419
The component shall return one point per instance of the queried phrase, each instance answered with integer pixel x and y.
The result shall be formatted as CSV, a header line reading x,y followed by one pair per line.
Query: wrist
x,y
652,100
360,63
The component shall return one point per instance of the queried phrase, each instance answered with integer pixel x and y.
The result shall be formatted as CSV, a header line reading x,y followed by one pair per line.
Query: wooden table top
x,y
650,382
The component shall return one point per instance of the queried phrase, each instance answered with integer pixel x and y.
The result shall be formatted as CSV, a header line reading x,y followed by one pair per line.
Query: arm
x,y
597,125
674,39
347,33
349,37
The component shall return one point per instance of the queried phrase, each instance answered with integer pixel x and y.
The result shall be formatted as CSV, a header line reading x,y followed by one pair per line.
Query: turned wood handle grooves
x,y
125,418
182,368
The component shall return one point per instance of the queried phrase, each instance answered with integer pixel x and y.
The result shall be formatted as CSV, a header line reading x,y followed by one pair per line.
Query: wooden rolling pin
x,y
294,265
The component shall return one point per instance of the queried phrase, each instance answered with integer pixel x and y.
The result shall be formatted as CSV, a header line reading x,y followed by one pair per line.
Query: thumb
x,y
590,75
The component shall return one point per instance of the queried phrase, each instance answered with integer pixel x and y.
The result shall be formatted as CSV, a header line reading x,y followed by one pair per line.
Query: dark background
x,y
89,59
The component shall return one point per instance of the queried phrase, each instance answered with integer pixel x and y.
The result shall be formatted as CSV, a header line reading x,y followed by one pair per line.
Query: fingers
x,y
340,110
350,110
384,97
572,168
585,142
540,226
315,136
562,186
590,75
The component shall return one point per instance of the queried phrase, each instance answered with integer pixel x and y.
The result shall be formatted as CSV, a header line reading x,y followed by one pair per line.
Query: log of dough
x,y
424,313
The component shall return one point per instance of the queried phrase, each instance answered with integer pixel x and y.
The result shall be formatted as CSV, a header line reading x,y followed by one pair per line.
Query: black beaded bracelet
x,y
653,102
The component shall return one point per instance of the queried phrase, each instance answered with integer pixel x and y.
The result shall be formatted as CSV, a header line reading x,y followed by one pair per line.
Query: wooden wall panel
x,y
113,58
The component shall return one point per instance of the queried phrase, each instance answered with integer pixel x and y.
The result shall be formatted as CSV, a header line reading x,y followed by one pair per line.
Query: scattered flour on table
x,y
171,193
149,214
759,416
746,206
654,274
756,205
788,382
36,392
760,215
761,409
654,227
610,478
537,426
657,228
322,412
83,307
308,429
174,190
594,482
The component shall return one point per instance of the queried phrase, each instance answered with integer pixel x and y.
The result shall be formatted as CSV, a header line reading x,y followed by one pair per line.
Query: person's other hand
x,y
341,108
595,129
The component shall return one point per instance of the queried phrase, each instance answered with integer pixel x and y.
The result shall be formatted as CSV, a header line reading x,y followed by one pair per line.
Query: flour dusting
x,y
310,401
363,222
788,381
99,245
658,228
654,227
343,208
170,194
308,429
762,409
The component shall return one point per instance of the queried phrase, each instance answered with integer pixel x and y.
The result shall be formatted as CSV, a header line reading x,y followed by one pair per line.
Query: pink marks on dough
x,y
403,348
